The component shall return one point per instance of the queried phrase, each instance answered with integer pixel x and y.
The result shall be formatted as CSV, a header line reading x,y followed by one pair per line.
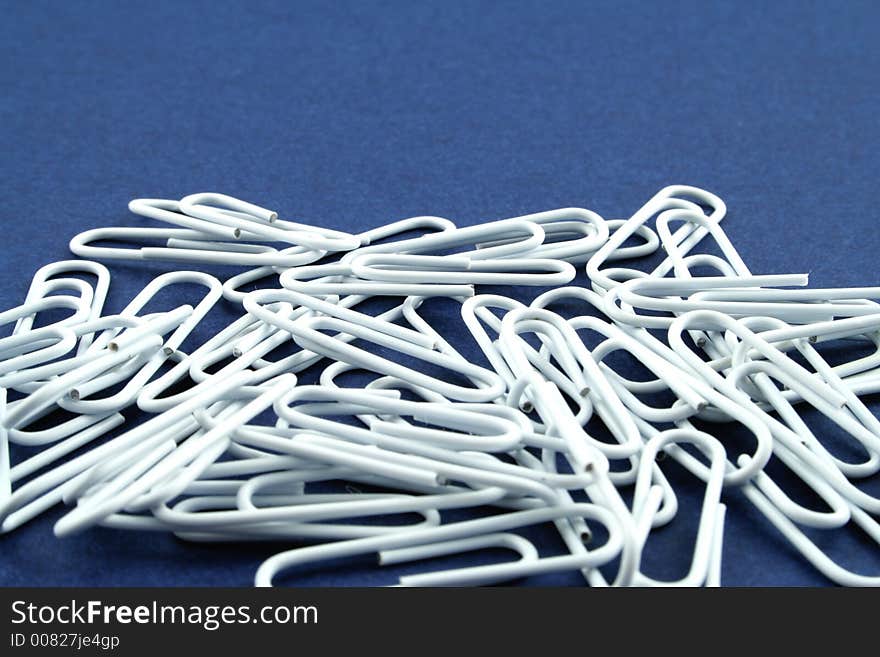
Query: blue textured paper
x,y
353,114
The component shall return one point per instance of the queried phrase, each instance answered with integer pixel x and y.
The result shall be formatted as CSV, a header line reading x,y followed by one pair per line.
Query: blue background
x,y
353,114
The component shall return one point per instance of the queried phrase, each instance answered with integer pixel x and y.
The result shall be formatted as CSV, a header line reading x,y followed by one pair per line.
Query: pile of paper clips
x,y
544,428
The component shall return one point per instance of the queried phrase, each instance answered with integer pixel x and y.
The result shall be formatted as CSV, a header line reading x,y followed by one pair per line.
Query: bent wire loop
x,y
434,395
